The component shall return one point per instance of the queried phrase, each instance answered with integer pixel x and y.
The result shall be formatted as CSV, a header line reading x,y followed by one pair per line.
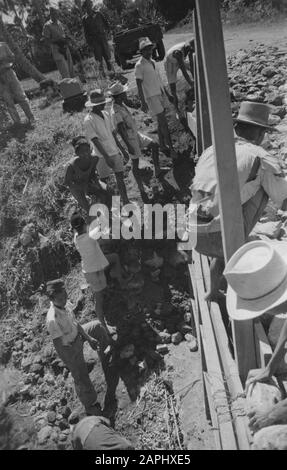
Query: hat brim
x,y
125,89
90,104
247,121
242,309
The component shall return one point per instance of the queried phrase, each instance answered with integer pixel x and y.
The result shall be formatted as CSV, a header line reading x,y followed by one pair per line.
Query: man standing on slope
x,y
54,34
176,59
95,26
11,90
152,94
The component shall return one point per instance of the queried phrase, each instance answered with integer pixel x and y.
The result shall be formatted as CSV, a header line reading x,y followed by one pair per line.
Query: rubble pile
x,y
259,75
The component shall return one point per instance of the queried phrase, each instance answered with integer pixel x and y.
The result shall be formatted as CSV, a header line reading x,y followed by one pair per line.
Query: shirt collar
x,y
146,60
58,309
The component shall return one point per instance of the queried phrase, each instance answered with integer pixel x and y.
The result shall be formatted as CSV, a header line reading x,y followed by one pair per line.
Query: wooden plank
x,y
194,301
204,374
202,97
214,61
215,376
194,314
263,348
197,110
213,414
229,367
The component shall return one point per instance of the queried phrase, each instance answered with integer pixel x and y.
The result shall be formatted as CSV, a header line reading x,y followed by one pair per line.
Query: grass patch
x,y
32,190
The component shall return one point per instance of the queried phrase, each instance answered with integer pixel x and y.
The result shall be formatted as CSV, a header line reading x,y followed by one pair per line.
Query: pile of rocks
x,y
257,75
260,75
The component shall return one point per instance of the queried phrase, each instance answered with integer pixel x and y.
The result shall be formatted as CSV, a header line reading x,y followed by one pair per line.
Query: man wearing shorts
x,y
94,262
98,129
95,26
176,60
152,94
126,126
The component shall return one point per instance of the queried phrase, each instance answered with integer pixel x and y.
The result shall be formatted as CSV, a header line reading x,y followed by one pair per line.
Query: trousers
x,y
11,92
65,66
73,357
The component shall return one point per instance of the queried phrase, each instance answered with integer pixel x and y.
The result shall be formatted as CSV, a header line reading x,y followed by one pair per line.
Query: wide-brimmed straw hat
x,y
145,42
96,98
117,89
254,113
257,279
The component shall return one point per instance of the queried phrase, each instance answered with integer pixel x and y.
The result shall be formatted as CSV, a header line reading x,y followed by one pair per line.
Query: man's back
x,y
94,25
94,433
205,180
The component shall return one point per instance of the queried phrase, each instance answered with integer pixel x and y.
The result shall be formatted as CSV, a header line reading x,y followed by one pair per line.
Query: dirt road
x,y
235,37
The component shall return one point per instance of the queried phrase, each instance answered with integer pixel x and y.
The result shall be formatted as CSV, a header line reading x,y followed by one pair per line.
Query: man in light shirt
x,y
176,59
68,338
152,94
94,263
260,178
98,130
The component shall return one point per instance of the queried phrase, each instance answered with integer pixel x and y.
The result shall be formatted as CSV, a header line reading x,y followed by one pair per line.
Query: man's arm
x,y
121,129
261,418
120,146
191,64
92,341
46,33
141,95
10,57
77,192
265,374
284,205
105,21
179,57
101,149
87,33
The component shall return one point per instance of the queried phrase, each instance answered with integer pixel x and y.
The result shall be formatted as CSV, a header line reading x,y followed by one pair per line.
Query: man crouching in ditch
x,y
68,337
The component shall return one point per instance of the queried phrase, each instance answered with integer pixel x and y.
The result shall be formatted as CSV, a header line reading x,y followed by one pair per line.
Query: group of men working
x,y
101,151
111,137
257,272
260,178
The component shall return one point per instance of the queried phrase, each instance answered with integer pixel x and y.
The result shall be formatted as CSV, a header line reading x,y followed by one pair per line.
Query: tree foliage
x,y
174,11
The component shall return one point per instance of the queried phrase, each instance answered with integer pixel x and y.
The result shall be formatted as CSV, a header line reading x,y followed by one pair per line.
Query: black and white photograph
x,y
143,228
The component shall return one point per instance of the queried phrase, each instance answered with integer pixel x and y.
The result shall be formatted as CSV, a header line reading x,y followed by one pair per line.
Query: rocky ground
x,y
156,346
150,318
